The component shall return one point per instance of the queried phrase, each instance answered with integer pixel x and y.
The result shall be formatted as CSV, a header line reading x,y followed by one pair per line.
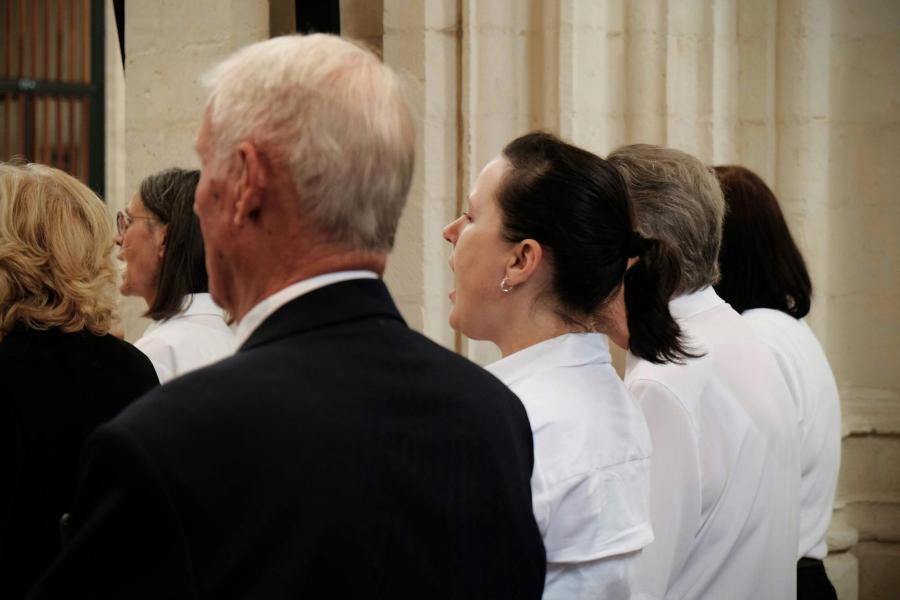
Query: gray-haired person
x,y
338,454
724,470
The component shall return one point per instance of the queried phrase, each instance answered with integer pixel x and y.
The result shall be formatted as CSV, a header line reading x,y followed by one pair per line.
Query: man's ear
x,y
252,180
526,257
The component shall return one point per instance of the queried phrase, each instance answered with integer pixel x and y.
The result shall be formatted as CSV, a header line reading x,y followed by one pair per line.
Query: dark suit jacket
x,y
338,454
55,389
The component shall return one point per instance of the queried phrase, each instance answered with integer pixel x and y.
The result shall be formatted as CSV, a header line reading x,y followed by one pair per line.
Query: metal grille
x,y
51,85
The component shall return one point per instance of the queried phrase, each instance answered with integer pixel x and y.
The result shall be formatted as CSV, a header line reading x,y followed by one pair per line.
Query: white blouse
x,y
725,473
815,394
193,338
591,463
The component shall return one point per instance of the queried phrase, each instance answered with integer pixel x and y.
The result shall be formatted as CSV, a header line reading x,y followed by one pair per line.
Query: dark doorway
x,y
318,16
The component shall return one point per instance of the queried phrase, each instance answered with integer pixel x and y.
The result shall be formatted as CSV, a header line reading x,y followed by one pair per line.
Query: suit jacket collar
x,y
325,306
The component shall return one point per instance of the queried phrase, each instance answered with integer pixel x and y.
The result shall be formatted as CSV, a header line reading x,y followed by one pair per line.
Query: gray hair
x,y
331,113
676,199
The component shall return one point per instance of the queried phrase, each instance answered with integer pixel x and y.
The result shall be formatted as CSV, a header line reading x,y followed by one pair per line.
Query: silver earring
x,y
505,287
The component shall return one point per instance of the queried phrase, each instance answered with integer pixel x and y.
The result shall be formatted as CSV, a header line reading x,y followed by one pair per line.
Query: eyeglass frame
x,y
124,221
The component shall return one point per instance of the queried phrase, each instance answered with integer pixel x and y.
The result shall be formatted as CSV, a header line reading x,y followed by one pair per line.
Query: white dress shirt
x,y
591,463
259,313
725,473
193,338
815,394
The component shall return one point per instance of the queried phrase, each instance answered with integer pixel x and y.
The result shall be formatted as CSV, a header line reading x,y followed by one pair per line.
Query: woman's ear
x,y
161,233
524,262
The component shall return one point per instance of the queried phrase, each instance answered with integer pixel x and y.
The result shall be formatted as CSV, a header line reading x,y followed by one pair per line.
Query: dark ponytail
x,y
576,205
649,285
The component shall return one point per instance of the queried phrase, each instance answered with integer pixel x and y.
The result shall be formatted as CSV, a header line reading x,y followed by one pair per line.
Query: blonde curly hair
x,y
56,262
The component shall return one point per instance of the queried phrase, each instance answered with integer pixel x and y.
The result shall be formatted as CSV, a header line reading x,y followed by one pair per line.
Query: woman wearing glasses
x,y
162,247
61,373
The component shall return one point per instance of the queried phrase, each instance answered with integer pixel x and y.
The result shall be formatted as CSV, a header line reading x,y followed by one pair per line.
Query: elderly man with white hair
x,y
724,471
337,454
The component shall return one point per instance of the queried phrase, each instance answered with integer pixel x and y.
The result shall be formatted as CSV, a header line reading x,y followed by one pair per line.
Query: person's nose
x,y
450,231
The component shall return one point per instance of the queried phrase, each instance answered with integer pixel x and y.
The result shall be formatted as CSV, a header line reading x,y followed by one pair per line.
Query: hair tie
x,y
635,244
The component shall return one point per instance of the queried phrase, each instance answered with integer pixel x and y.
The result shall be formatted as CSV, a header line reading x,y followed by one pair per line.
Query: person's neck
x,y
525,328
613,321
262,283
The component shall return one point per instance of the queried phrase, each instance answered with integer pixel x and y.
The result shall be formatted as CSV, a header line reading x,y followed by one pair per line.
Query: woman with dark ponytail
x,y
539,256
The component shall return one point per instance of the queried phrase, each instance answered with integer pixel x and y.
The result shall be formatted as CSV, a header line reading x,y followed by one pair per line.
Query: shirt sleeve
x,y
604,578
161,354
675,490
591,515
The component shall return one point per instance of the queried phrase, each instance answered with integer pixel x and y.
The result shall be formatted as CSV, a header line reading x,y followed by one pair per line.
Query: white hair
x,y
331,113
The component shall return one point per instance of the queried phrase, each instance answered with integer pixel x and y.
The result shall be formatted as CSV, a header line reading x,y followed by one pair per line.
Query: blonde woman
x,y
62,373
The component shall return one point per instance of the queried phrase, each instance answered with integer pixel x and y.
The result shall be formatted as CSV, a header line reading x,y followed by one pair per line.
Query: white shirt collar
x,y
259,313
567,350
200,304
194,305
684,306
688,305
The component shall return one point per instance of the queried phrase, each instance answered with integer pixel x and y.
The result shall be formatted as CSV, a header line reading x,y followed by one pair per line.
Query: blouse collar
x,y
200,304
567,350
694,303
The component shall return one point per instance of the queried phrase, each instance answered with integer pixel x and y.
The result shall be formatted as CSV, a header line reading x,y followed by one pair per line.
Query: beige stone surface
x,y
363,20
115,194
869,410
420,43
870,472
115,116
875,520
843,571
879,570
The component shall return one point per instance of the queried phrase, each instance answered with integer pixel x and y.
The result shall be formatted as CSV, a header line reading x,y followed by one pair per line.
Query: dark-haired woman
x,y
540,252
764,277
160,241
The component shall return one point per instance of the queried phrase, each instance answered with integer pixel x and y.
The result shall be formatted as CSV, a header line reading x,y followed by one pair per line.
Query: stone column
x,y
115,118
421,43
363,20
861,257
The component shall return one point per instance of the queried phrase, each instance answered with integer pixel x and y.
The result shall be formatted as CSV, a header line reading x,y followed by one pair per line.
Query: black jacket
x,y
338,454
55,389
